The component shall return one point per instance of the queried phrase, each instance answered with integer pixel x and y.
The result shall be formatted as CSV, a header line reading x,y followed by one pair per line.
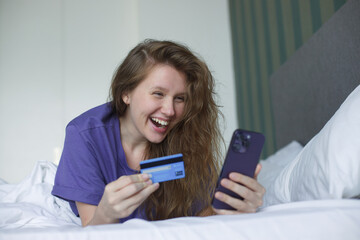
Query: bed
x,y
312,181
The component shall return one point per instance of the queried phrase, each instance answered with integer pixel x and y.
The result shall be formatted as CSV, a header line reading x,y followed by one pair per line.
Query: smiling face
x,y
155,105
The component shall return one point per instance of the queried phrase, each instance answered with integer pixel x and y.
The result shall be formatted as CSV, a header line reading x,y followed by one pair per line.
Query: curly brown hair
x,y
197,135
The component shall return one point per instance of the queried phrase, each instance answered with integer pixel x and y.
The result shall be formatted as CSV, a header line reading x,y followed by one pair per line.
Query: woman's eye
x,y
160,94
180,99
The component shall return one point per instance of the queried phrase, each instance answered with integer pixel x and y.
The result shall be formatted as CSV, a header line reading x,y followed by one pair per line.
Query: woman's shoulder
x,y
99,116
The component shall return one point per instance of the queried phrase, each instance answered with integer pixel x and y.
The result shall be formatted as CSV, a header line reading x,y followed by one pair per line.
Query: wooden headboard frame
x,y
309,88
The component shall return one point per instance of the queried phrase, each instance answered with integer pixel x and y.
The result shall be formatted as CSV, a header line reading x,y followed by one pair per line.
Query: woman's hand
x,y
119,200
248,188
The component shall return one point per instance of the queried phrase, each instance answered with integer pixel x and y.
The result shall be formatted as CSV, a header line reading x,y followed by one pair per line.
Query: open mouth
x,y
159,123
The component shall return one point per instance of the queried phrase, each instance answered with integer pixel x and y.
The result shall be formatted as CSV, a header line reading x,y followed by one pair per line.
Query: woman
x,y
162,103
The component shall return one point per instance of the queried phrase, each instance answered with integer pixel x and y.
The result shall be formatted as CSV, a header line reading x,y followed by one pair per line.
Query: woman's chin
x,y
156,141
156,137
157,134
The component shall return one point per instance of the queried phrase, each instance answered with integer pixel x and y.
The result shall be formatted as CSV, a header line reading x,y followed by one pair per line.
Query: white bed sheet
x,y
29,211
325,219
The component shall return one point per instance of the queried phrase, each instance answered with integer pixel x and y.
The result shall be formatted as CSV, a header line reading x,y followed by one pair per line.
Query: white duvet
x,y
30,204
29,211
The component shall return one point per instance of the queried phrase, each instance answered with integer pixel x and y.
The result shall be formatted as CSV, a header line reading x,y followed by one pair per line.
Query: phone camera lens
x,y
241,142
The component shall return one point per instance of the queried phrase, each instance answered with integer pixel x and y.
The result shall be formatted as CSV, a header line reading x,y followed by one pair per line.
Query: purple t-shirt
x,y
92,157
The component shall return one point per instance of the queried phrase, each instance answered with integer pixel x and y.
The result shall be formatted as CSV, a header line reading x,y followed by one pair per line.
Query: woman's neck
x,y
134,147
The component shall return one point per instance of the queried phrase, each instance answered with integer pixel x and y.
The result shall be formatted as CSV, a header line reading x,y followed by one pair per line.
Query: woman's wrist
x,y
100,218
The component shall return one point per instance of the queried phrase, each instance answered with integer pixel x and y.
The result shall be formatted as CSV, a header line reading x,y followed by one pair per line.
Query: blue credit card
x,y
164,168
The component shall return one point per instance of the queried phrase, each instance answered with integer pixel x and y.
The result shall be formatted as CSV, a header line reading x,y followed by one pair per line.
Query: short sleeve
x,y
78,177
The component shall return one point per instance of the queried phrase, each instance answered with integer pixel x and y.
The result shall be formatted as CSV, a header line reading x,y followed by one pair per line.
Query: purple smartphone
x,y
242,157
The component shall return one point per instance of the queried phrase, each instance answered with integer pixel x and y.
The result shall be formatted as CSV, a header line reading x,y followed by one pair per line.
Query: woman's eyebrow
x,y
166,90
158,88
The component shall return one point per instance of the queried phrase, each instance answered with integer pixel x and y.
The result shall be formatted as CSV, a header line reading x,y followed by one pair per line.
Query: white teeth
x,y
164,123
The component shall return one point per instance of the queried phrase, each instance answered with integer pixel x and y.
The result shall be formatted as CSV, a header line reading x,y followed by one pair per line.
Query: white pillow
x,y
272,167
329,165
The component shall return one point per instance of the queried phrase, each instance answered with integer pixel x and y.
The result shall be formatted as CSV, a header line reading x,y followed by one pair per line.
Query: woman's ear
x,y
126,98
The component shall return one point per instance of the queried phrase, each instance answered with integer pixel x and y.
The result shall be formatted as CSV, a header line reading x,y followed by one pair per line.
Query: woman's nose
x,y
168,107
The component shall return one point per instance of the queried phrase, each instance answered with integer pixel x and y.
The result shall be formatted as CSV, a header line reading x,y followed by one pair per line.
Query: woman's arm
x,y
87,215
119,200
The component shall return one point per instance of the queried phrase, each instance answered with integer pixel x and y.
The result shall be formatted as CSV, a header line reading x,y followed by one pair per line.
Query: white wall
x,y
204,26
57,59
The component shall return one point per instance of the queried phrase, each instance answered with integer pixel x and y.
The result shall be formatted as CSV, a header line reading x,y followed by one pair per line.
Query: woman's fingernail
x,y
219,195
225,182
146,176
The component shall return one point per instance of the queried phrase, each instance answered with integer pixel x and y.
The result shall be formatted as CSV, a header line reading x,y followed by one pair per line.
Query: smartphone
x,y
242,156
